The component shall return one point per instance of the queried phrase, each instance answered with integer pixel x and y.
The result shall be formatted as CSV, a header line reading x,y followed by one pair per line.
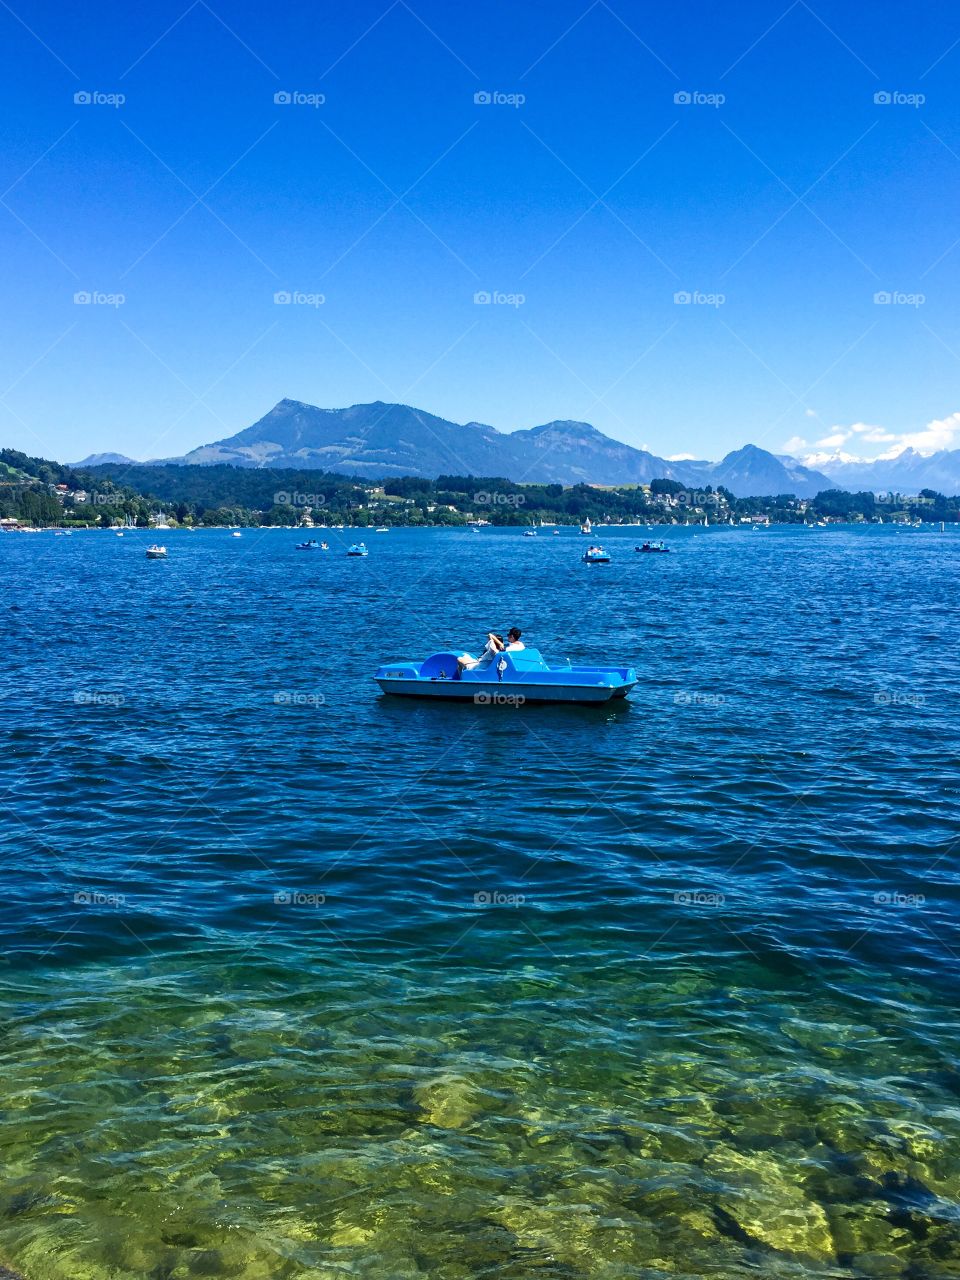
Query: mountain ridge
x,y
382,440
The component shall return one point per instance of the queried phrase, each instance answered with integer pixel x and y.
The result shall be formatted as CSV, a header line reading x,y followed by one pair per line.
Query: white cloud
x,y
941,433
681,457
835,441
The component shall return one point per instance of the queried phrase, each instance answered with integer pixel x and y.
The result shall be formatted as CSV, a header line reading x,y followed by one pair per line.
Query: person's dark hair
x,y
514,633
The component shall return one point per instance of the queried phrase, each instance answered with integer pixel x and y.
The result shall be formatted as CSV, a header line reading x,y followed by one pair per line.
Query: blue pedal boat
x,y
357,549
595,555
512,677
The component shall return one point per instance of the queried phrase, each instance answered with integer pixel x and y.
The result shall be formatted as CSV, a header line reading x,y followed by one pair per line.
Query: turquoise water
x,y
304,983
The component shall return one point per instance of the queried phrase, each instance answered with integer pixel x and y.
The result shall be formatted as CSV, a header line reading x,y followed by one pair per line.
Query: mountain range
x,y
379,441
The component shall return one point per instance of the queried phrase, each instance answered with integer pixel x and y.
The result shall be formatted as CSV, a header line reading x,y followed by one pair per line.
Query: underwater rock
x,y
7,1274
449,1103
767,1205
577,1235
863,1233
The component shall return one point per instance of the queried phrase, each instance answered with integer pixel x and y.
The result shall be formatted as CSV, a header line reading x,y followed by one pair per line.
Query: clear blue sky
x,y
400,197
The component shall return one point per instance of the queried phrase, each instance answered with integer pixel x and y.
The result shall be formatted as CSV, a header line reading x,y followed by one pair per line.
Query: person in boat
x,y
514,643
494,645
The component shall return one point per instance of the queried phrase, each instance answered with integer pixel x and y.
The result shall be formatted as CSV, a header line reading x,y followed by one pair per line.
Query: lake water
x,y
301,982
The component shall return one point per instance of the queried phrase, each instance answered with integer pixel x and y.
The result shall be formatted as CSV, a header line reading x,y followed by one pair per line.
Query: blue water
x,y
302,982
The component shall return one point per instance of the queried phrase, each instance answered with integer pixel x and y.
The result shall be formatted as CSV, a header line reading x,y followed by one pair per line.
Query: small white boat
x,y
529,533
235,535
156,553
382,529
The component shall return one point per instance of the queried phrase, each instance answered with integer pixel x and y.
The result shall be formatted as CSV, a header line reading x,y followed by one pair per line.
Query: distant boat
x,y
586,527
556,533
529,533
382,529
235,535
310,545
653,546
156,553
357,549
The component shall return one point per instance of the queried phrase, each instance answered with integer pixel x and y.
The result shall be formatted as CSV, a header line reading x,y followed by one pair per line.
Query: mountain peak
x,y
380,440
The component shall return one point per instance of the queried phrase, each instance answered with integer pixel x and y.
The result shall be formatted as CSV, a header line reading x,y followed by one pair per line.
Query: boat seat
x,y
439,663
526,660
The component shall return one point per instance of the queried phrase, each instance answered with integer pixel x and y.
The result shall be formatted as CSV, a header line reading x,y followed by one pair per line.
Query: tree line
x,y
223,494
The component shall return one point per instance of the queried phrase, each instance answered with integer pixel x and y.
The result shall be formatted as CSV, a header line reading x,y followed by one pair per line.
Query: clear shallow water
x,y
700,1021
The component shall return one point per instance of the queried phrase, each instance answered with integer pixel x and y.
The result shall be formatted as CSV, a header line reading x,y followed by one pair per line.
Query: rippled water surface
x,y
302,983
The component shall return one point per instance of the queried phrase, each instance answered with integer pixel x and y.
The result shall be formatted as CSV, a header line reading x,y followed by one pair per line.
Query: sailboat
x,y
586,527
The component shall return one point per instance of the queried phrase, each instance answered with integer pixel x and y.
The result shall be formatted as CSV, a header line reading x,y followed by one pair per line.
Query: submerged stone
x,y
768,1204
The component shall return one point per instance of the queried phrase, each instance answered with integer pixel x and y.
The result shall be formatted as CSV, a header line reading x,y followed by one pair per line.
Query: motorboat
x,y
510,678
357,549
652,546
382,529
529,533
310,545
156,552
595,555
